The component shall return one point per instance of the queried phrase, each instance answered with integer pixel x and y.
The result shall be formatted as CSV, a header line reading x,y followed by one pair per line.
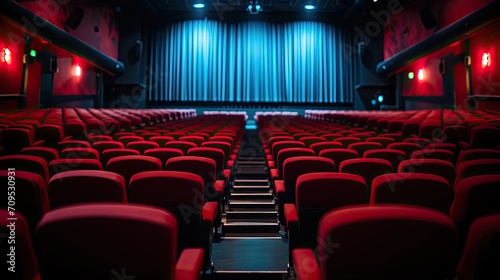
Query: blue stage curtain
x,y
203,60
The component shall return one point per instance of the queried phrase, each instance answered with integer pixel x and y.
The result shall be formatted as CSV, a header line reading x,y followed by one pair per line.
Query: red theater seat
x,y
384,242
161,140
33,164
480,258
46,153
441,154
89,153
475,197
316,194
100,256
319,146
393,156
417,189
477,167
181,145
30,194
127,166
142,146
25,262
382,140
67,164
84,186
368,168
474,154
362,147
156,188
408,148
442,168
338,155
101,146
72,144
15,139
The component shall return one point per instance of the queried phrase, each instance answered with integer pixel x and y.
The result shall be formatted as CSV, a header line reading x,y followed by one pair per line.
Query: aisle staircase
x,y
250,246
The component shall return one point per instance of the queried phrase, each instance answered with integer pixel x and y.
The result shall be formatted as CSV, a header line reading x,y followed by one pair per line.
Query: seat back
x,y
408,148
208,152
15,139
338,155
33,164
30,193
287,153
362,147
477,167
480,258
46,153
156,188
89,153
278,146
403,243
24,261
201,166
484,136
142,146
181,145
67,164
393,156
296,166
475,197
418,189
101,146
84,186
473,154
115,250
318,193
382,140
442,168
319,146
127,166
441,154
368,168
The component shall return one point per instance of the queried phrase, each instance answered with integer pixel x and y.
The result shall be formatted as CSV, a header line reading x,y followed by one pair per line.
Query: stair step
x,y
250,227
250,188
251,182
252,196
251,214
252,204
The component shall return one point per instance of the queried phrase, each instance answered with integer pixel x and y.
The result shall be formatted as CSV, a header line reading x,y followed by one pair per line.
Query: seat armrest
x,y
290,213
227,173
274,174
464,145
279,186
270,164
209,211
305,264
189,265
220,185
269,157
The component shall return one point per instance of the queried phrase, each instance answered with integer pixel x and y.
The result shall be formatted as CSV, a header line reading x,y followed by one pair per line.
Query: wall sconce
x,y
485,60
421,74
411,75
78,70
6,56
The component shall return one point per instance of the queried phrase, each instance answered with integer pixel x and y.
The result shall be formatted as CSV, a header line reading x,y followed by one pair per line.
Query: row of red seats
x,y
425,181
196,169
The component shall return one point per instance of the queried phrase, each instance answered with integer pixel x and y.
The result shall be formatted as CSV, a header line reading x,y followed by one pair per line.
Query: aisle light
x,y
485,60
6,56
421,74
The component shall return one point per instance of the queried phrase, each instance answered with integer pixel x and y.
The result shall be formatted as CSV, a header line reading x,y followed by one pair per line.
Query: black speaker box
x,y
75,18
427,18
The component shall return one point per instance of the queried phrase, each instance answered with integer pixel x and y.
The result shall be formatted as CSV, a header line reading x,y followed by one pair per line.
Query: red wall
x,y
95,14
405,29
11,74
486,81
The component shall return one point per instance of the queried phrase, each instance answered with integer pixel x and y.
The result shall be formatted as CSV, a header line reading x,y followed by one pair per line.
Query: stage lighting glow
x,y
257,7
411,75
485,60
374,102
199,5
380,98
309,7
421,74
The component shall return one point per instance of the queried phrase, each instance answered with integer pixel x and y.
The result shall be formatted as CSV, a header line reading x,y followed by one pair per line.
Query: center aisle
x,y
250,246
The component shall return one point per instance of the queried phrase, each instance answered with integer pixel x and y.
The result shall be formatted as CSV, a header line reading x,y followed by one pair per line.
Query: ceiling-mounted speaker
x,y
427,18
75,18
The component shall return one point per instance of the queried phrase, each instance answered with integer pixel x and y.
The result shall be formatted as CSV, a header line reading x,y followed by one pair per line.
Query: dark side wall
x,y
55,83
448,78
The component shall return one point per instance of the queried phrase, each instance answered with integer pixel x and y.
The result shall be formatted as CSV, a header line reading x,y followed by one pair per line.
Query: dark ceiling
x,y
235,10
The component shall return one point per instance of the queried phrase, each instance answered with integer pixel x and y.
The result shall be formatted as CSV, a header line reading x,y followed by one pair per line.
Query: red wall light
x,y
78,70
6,56
421,74
486,60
